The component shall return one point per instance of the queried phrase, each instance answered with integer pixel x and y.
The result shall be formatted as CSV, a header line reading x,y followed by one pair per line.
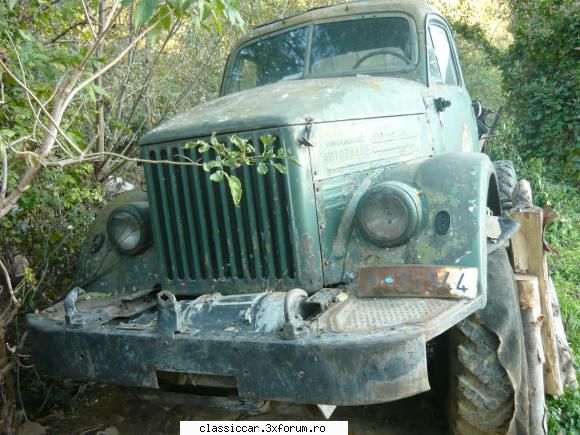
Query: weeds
x,y
564,236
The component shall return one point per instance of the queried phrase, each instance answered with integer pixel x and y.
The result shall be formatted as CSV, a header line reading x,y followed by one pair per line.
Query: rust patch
x,y
417,280
309,271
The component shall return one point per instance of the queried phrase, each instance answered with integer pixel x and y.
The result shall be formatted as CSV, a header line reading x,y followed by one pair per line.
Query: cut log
x,y
532,317
528,257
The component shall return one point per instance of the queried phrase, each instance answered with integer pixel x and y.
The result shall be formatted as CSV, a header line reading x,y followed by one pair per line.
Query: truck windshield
x,y
378,45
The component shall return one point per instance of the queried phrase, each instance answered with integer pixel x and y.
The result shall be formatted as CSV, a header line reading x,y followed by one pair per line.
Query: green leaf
x,y
185,5
144,11
11,4
208,166
26,35
213,140
7,133
235,188
165,16
217,176
126,3
101,91
203,148
267,139
217,23
281,168
91,92
152,35
205,11
262,168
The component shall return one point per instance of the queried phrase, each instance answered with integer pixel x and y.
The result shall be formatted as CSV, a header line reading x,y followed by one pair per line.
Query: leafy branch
x,y
225,159
81,68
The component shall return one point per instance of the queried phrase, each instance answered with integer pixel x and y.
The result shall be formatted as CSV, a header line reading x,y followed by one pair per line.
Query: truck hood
x,y
291,103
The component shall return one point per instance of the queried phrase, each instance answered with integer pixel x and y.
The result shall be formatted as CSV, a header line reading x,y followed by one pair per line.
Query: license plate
x,y
415,280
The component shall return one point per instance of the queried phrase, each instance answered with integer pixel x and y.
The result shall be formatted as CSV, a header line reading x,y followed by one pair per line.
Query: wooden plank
x,y
528,257
532,317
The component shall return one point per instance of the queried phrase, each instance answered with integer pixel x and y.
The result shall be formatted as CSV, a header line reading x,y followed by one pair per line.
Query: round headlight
x,y
129,228
389,214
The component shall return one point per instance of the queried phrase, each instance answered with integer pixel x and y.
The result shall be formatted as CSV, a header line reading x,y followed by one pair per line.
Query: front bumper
x,y
351,352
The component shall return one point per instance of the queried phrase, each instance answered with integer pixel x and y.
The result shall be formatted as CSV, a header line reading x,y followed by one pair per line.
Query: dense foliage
x,y
542,83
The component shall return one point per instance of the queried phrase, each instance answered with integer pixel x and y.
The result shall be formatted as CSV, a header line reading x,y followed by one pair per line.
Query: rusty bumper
x,y
326,362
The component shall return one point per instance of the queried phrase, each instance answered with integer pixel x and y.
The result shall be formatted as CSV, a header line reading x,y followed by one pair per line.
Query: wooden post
x,y
532,317
528,257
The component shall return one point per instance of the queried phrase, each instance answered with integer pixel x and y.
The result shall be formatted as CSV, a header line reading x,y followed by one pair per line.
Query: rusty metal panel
x,y
373,314
417,280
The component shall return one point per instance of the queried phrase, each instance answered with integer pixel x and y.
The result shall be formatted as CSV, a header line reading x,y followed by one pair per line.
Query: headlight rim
x,y
408,196
142,219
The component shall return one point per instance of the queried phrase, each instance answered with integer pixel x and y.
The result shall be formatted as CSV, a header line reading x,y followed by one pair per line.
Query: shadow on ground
x,y
112,411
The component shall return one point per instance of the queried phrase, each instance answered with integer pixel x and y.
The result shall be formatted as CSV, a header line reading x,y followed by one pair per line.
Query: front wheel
x,y
481,396
486,385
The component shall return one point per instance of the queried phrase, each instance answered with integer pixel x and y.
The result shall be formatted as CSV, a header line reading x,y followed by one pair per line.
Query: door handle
x,y
441,104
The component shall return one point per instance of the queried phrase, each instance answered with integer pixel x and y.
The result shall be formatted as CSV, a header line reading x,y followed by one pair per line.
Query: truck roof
x,y
418,9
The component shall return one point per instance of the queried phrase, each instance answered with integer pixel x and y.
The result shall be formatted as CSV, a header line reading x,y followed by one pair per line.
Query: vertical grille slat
x,y
158,228
195,176
279,239
171,261
230,245
252,228
241,230
264,230
177,200
191,222
216,231
169,197
204,236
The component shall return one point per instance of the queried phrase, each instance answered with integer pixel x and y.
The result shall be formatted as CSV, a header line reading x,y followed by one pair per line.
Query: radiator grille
x,y
203,235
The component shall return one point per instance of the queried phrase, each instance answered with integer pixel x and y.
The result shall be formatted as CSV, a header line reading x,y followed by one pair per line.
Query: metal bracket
x,y
305,140
508,228
293,321
168,318
70,307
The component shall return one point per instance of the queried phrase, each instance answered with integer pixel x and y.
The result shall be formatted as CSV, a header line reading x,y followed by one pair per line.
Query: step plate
x,y
368,314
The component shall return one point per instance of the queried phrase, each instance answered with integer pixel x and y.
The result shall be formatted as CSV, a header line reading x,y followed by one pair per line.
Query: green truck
x,y
327,284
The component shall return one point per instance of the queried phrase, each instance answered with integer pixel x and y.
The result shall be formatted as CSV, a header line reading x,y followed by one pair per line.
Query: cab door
x,y
447,90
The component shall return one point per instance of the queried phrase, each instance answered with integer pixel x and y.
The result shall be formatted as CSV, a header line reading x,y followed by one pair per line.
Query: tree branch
x,y
170,34
9,284
96,156
111,64
68,29
35,98
4,172
89,21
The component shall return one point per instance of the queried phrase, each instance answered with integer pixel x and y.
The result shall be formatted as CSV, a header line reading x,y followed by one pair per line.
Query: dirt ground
x,y
112,411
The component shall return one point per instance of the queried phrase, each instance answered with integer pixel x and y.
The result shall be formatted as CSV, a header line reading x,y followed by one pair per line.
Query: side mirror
x,y
477,109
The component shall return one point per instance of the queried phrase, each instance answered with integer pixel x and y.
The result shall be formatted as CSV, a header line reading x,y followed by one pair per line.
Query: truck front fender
x,y
102,268
460,186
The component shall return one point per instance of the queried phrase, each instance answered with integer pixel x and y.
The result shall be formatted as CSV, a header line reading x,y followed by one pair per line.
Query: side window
x,y
441,63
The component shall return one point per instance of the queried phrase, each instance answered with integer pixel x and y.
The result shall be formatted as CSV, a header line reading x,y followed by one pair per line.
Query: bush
x,y
47,227
541,83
